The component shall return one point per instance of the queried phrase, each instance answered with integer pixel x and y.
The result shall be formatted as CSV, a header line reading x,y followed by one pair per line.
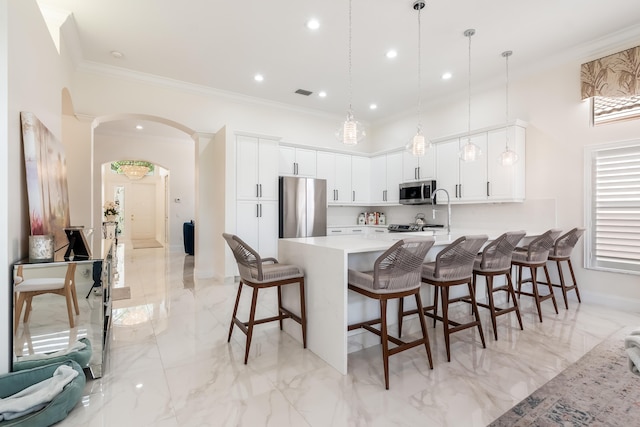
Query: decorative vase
x,y
41,248
110,218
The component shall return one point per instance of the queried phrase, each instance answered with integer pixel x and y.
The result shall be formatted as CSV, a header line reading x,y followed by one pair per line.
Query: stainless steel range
x,y
400,228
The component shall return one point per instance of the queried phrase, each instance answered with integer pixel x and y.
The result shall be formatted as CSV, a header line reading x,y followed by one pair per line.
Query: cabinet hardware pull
x,y
415,173
488,192
260,189
260,210
354,196
257,210
337,194
460,190
418,172
257,190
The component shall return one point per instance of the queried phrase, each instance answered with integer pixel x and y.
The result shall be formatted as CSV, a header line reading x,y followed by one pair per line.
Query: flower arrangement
x,y
111,208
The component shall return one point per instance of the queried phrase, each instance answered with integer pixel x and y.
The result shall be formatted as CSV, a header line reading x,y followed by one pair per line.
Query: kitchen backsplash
x,y
532,214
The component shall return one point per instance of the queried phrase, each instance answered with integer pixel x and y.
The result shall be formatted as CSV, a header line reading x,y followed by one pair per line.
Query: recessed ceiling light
x,y
373,106
313,24
258,77
116,54
139,127
322,94
446,76
391,54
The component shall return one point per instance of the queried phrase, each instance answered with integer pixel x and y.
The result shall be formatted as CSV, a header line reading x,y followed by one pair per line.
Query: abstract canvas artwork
x,y
46,172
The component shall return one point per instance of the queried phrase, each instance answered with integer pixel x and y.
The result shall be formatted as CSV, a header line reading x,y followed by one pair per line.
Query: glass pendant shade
x,y
508,157
418,146
351,131
470,152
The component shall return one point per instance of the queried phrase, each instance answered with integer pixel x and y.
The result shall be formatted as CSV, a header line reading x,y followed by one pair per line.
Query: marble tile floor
x,y
170,363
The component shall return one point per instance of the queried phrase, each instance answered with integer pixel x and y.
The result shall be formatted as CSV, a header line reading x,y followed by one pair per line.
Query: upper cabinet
x,y
336,169
297,161
485,179
386,176
360,179
256,168
347,177
506,183
419,168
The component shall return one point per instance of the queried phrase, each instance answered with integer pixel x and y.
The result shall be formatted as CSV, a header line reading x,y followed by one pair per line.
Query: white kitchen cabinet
x,y
257,224
346,231
483,180
386,176
256,168
419,168
360,180
297,161
336,169
506,183
472,186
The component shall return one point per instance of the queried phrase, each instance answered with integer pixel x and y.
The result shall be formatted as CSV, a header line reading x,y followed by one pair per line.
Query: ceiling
x,y
221,44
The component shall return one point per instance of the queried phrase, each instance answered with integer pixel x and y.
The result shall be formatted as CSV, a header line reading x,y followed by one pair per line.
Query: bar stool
x,y
561,251
396,274
495,260
534,256
260,273
453,266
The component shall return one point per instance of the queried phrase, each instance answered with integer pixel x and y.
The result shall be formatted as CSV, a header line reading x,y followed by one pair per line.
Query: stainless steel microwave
x,y
417,193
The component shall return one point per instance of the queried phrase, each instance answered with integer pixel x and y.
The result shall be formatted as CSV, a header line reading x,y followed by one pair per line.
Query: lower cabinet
x,y
257,224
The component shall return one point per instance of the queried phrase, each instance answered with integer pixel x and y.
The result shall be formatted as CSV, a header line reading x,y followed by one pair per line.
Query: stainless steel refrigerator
x,y
303,207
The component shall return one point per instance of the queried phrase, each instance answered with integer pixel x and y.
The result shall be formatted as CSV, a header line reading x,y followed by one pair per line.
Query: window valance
x,y
616,75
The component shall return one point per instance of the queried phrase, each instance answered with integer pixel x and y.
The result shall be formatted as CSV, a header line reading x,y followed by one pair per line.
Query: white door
x,y
141,211
394,177
343,178
360,182
378,178
448,164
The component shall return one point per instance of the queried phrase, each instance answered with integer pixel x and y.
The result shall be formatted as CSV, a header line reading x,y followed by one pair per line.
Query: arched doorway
x,y
161,142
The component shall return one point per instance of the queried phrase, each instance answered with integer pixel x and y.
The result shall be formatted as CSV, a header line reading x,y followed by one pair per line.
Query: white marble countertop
x,y
380,242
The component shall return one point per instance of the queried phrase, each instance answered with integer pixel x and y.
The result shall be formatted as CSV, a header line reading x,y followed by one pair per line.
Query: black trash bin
x,y
188,230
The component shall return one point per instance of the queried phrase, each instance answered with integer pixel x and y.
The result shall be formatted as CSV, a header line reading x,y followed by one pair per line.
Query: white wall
x,y
26,49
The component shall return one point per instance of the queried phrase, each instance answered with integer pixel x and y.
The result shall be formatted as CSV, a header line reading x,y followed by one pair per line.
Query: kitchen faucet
x,y
433,198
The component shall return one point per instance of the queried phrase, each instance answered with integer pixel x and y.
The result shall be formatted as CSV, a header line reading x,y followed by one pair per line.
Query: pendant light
x,y
351,131
419,145
508,157
469,152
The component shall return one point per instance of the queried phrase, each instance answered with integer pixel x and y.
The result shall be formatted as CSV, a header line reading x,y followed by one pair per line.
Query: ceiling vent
x,y
303,92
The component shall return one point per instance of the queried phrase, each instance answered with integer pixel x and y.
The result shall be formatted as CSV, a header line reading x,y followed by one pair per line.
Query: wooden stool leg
x,y
423,326
280,305
235,310
401,315
435,303
562,284
474,305
519,280
385,341
445,319
303,314
492,307
252,318
67,296
515,303
553,297
74,296
536,295
573,278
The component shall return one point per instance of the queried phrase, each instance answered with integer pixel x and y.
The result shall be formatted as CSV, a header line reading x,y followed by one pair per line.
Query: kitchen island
x,y
330,306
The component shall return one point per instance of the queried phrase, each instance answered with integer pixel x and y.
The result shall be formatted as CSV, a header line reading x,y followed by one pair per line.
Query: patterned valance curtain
x,y
616,75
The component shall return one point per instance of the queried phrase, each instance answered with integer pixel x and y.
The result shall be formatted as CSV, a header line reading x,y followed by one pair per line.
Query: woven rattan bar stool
x,y
494,261
534,256
453,266
260,273
561,252
396,274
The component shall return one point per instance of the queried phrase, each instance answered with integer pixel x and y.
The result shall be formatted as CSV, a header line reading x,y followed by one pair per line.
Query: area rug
x,y
144,244
118,294
597,390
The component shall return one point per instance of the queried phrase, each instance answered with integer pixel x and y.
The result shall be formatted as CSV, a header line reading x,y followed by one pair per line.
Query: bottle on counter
x,y
361,219
382,219
371,218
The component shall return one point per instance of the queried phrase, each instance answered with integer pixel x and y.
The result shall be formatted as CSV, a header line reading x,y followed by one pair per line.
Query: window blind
x,y
615,209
